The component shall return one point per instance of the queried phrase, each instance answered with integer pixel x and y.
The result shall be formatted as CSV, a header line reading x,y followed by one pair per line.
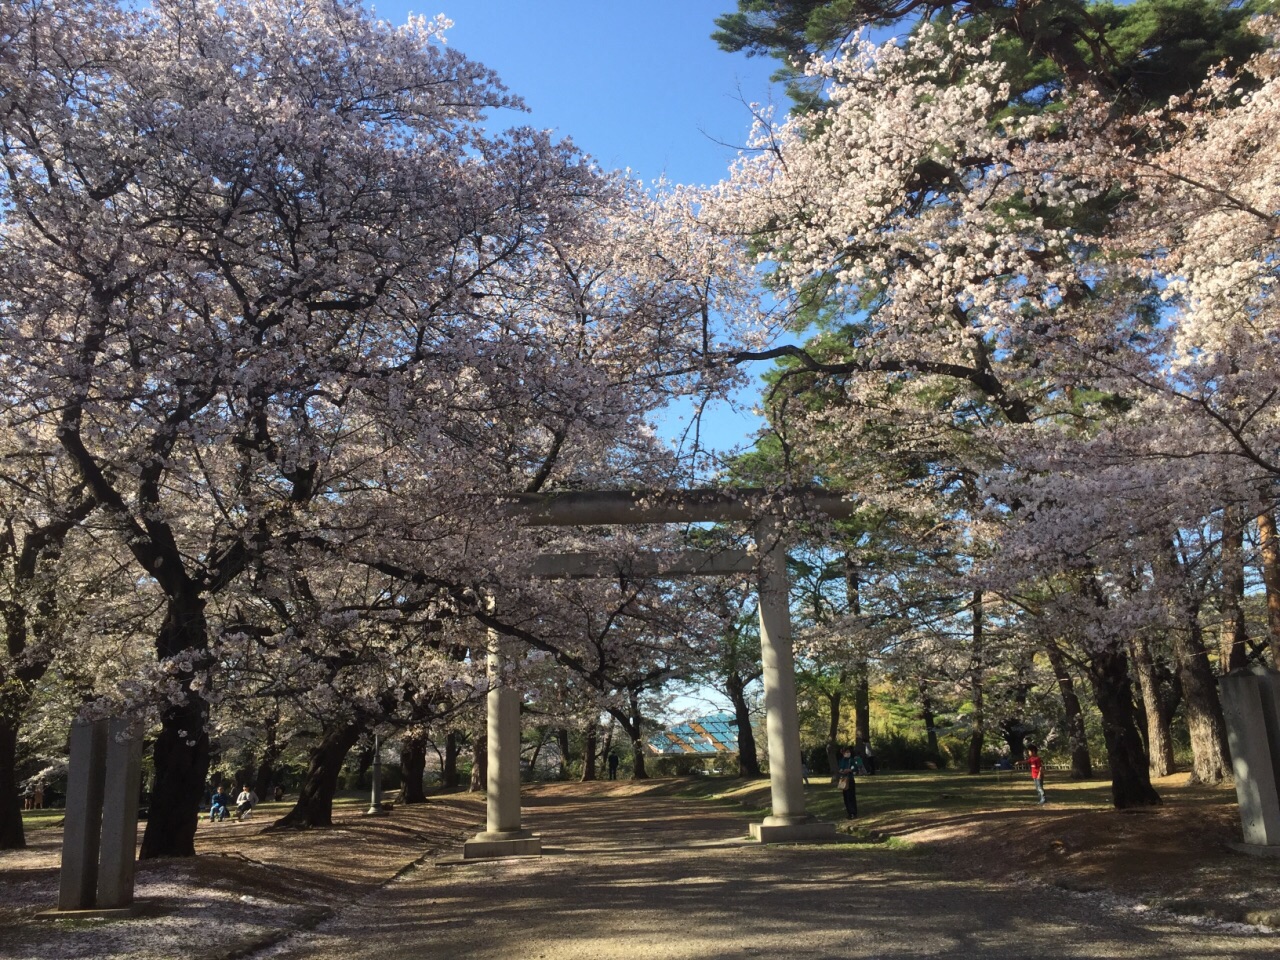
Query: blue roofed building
x,y
708,736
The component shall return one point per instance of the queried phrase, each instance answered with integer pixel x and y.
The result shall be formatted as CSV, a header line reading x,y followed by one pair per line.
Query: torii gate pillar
x,y
788,823
502,836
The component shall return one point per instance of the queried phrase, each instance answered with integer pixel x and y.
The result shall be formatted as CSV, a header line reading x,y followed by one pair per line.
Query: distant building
x,y
704,736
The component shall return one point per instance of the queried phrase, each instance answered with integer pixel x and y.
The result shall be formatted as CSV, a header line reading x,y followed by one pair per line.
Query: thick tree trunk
x,y
1210,755
635,730
861,705
1233,641
1130,780
413,764
833,729
632,725
861,686
181,753
638,771
479,762
1269,548
264,780
608,741
12,836
449,771
589,753
1081,762
315,800
1159,739
976,672
537,750
748,758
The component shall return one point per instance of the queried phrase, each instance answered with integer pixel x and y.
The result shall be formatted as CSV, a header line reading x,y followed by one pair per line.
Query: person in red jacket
x,y
1037,771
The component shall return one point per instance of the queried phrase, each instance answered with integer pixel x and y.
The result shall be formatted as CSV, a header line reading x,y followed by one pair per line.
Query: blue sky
x,y
635,85
638,86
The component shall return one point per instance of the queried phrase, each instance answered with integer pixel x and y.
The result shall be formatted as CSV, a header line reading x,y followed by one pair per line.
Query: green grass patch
x,y
889,798
42,819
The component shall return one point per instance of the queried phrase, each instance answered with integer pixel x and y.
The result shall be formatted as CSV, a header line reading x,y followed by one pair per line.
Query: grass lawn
x,y
886,798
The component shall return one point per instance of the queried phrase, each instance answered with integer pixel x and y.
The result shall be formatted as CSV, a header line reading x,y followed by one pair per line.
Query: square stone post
x,y
503,836
1251,708
82,825
788,821
120,816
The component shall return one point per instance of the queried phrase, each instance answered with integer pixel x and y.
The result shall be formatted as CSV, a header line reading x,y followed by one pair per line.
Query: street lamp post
x,y
375,795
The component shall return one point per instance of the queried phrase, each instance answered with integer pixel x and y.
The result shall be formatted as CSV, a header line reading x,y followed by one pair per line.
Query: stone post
x,y
788,821
120,816
1251,708
503,836
82,825
100,830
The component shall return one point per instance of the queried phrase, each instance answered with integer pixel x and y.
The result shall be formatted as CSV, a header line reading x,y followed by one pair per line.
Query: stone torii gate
x,y
787,821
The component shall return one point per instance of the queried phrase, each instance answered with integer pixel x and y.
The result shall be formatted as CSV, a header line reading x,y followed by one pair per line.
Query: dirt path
x,y
653,877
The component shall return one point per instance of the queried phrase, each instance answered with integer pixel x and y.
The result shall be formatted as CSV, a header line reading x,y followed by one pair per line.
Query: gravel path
x,y
651,878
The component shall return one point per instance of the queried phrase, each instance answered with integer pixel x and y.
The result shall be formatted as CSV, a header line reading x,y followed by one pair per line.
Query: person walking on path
x,y
1037,772
613,764
869,758
847,783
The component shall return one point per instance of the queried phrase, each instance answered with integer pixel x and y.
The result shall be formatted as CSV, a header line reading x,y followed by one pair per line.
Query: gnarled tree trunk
x,y
315,799
1210,755
748,757
449,770
633,726
479,762
1159,740
1130,779
1081,762
181,752
413,765
1269,550
264,780
11,833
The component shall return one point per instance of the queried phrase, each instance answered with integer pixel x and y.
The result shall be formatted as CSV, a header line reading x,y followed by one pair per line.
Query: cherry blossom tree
x,y
270,284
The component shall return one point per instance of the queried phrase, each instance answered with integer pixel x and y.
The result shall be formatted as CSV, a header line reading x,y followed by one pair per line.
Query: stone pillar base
x,y
802,831
507,843
1256,849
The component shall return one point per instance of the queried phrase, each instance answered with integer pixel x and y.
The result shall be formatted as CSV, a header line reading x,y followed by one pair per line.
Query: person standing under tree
x,y
613,764
1037,771
848,786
